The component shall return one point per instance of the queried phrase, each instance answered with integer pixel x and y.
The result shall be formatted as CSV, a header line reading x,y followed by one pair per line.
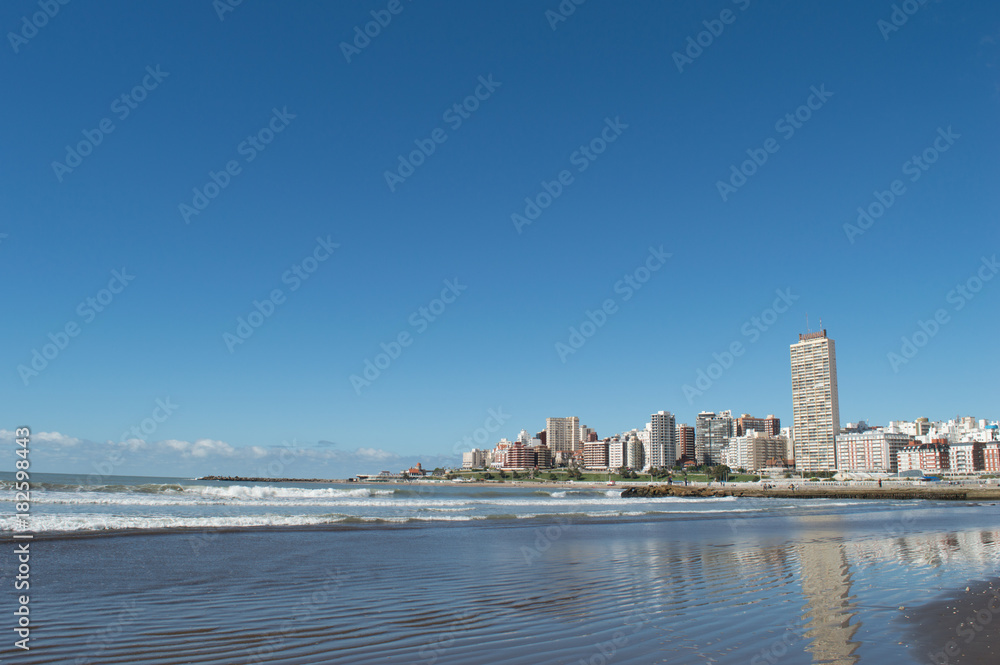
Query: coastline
x,y
805,490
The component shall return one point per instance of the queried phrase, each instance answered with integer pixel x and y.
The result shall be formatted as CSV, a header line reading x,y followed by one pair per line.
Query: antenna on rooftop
x,y
807,323
821,323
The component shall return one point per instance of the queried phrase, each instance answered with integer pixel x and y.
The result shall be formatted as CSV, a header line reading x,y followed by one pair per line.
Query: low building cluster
x,y
747,443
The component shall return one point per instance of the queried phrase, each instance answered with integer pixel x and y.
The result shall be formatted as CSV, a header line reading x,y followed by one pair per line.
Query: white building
x,y
661,444
966,457
562,434
815,404
711,433
635,453
475,459
754,451
498,456
617,453
789,434
874,450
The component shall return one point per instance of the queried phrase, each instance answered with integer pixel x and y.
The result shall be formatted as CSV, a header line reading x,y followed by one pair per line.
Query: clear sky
x,y
167,164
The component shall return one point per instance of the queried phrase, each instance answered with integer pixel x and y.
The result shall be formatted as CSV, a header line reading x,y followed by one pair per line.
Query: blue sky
x,y
200,90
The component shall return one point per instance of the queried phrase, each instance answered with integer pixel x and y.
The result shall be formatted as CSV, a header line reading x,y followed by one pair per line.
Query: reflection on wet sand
x,y
829,612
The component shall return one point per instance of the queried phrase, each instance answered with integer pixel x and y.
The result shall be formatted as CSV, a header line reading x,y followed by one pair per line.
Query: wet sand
x,y
960,627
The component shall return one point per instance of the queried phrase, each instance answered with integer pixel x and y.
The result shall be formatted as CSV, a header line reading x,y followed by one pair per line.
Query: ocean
x,y
168,570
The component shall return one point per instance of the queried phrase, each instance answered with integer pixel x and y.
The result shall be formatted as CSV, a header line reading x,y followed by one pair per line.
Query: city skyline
x,y
567,428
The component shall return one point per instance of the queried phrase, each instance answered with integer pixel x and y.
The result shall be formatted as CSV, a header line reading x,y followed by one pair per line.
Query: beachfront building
x,y
815,404
965,456
712,432
617,454
595,454
754,451
475,459
587,434
927,457
960,429
634,453
516,455
918,427
870,450
991,457
661,443
498,456
789,435
747,423
685,442
520,456
562,434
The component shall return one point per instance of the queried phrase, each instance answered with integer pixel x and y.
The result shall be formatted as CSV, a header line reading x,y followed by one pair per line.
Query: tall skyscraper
x,y
815,407
661,448
562,434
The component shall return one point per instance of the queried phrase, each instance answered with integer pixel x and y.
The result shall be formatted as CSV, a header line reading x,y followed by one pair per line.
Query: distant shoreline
x,y
803,490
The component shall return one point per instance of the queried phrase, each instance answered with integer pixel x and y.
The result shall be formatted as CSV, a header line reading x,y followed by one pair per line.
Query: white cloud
x,y
48,438
375,453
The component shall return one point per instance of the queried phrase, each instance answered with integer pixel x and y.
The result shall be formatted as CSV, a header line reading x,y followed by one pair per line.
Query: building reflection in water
x,y
829,613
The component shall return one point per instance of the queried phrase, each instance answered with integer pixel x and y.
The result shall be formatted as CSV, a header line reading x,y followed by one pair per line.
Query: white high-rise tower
x,y
815,407
562,434
662,447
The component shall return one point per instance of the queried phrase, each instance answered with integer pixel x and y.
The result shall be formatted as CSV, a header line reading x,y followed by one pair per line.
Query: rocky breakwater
x,y
652,491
